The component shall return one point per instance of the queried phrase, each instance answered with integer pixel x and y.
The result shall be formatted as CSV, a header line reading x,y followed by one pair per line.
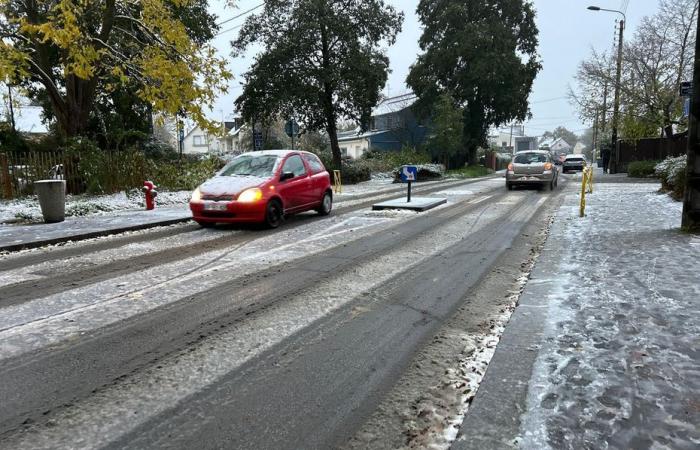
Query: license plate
x,y
215,206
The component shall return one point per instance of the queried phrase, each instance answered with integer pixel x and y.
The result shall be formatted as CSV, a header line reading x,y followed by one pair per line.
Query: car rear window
x,y
530,158
575,159
253,165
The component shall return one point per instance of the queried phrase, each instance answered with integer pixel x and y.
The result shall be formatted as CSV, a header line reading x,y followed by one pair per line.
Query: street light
x,y
616,107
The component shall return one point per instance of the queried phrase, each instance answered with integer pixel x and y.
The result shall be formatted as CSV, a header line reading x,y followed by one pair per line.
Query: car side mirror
x,y
286,176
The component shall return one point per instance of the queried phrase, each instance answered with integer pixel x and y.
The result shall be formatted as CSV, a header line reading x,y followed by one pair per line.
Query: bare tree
x,y
657,59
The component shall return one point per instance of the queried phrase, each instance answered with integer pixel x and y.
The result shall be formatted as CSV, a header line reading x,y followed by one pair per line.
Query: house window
x,y
199,141
344,151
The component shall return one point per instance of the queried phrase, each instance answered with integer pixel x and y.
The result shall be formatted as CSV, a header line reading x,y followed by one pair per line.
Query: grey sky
x,y
567,33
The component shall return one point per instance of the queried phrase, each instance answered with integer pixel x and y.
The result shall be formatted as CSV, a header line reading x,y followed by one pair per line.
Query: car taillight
x,y
510,167
548,166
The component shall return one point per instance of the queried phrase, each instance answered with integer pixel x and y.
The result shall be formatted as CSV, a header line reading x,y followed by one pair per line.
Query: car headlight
x,y
196,195
250,195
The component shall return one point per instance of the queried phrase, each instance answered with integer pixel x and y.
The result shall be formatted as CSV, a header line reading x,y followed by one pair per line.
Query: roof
x,y
352,137
394,104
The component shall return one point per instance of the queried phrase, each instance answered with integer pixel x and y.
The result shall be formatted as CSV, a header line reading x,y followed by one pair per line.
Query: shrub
x,y
642,169
672,174
184,175
669,169
470,172
425,172
388,161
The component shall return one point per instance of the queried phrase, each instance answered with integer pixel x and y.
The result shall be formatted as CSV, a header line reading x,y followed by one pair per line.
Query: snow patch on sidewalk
x,y
27,209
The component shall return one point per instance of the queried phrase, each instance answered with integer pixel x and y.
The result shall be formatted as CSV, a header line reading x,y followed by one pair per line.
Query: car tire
x,y
206,224
274,214
509,186
326,204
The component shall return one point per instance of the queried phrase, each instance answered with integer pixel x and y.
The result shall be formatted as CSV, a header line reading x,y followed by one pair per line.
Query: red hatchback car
x,y
263,187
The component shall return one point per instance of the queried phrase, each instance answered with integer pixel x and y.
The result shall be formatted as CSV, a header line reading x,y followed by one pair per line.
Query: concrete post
x,y
52,199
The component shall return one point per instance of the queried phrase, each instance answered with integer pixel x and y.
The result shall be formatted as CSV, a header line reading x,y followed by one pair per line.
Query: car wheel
x,y
326,204
509,186
273,214
206,224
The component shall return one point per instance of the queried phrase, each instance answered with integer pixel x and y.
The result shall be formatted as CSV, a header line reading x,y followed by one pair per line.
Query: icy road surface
x,y
224,343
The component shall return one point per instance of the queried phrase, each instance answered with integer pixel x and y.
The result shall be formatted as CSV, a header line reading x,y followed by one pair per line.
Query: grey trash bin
x,y
52,199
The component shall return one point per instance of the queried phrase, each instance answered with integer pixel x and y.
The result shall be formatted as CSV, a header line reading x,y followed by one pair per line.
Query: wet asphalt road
x,y
311,390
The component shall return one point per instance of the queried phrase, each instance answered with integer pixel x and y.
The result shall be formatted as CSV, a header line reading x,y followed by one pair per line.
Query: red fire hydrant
x,y
150,190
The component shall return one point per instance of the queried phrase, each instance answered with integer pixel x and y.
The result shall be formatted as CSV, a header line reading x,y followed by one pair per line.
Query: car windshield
x,y
530,158
251,165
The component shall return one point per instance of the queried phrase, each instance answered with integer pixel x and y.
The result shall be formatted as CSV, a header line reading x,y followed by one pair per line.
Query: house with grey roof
x,y
393,125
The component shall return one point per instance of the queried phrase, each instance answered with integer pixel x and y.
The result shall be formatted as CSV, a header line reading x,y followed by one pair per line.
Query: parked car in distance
x,y
532,167
263,187
574,163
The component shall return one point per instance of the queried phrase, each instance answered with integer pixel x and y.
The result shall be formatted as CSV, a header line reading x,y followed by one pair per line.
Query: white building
x,y
199,142
558,146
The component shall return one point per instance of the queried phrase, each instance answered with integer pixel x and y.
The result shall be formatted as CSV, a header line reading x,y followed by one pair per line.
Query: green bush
x,y
355,171
642,169
388,161
185,175
469,172
679,187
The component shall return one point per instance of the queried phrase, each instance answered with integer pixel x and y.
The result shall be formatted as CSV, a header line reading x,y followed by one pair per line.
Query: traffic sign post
x,y
686,89
291,128
409,174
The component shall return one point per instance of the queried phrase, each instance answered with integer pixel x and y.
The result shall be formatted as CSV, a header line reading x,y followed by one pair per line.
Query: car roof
x,y
543,152
283,152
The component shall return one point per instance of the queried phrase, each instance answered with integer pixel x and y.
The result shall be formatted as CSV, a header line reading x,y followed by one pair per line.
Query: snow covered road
x,y
99,349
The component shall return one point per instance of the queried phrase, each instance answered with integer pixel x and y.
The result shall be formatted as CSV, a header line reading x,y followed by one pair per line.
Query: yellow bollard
x,y
582,209
337,182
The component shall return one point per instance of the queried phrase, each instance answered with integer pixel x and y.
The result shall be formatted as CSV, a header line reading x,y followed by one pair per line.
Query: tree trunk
x,y
332,131
471,122
329,109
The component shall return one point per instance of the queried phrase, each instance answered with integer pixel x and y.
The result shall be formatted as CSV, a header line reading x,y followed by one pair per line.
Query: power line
x,y
240,15
548,100
230,29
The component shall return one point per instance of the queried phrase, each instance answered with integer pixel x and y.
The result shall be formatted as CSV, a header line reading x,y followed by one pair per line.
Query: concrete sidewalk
x,y
17,237
604,349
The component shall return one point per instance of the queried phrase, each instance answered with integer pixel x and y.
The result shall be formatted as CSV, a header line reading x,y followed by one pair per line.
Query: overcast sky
x,y
567,33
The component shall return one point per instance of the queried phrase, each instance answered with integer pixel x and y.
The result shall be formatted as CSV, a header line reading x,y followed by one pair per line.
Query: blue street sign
x,y
291,128
686,107
409,174
258,140
182,135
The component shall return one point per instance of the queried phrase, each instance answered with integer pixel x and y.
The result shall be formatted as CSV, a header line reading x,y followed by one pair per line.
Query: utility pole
x,y
595,137
615,156
691,198
605,107
12,111
616,105
510,141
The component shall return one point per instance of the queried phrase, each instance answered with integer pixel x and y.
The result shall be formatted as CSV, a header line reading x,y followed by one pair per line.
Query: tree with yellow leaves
x,y
78,49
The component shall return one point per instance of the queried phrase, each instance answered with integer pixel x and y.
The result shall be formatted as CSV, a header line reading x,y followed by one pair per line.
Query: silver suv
x,y
532,167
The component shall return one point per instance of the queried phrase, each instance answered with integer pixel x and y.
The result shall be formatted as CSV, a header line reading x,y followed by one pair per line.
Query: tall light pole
x,y
615,159
691,199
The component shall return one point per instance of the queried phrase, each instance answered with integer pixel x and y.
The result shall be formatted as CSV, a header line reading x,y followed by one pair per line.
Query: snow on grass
x,y
27,209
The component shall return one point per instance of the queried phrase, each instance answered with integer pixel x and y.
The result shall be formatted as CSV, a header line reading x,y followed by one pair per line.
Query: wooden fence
x,y
108,172
655,149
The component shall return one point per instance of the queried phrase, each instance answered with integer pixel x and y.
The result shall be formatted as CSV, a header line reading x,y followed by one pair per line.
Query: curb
x,y
90,235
